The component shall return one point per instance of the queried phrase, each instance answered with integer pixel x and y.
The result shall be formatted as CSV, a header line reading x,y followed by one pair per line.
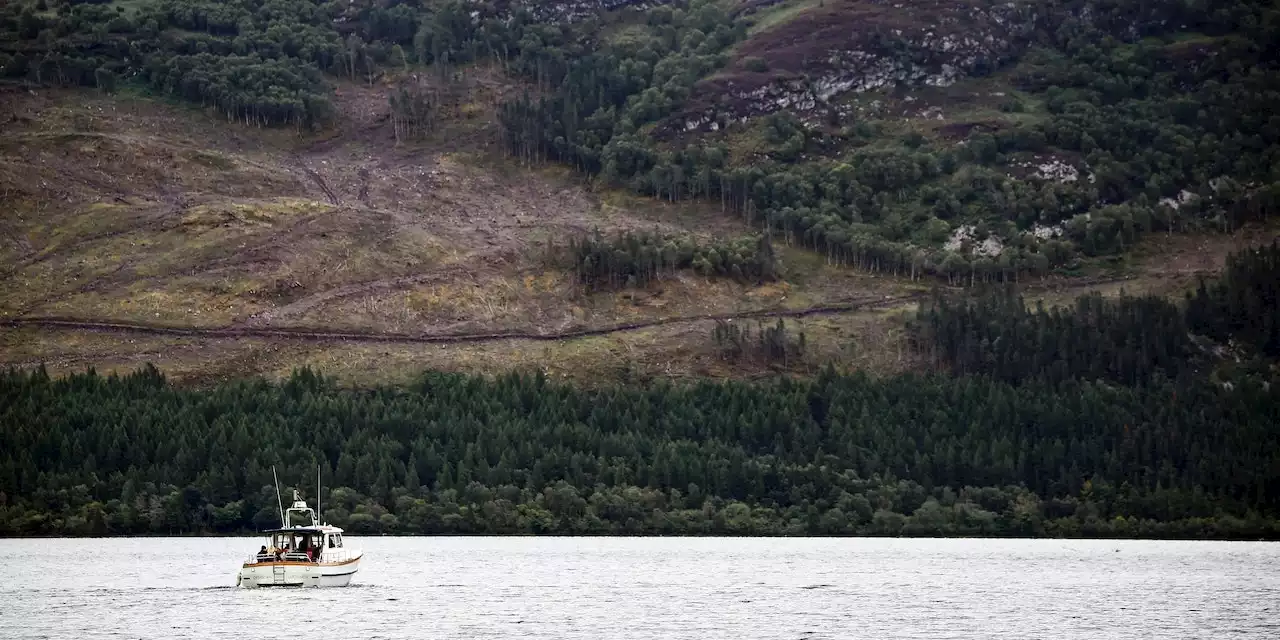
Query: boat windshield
x,y
295,545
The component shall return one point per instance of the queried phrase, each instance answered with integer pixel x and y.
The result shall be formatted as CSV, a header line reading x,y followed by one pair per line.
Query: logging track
x,y
64,323
312,335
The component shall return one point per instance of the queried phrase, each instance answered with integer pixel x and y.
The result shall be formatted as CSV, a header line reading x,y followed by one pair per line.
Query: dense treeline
x,y
1244,304
636,259
256,61
1109,418
262,61
1128,340
1097,420
592,117
838,455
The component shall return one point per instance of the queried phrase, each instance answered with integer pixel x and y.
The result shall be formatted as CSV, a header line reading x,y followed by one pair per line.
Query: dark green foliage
x,y
1097,420
1127,340
637,259
457,454
1166,127
259,61
1094,421
735,342
600,100
1144,123
1244,304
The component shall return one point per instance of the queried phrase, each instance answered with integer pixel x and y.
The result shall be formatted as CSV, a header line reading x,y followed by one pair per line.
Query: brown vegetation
x,y
138,232
128,212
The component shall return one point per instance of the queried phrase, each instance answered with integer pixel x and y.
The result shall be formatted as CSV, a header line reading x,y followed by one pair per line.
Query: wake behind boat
x,y
301,555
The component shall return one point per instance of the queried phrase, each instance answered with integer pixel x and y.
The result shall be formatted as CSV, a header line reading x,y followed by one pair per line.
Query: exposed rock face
x,y
1051,168
1042,232
1184,198
863,45
567,11
965,236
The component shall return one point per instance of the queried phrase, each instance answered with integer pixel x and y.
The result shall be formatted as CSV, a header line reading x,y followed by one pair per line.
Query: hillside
x,y
1110,418
388,203
994,268
123,220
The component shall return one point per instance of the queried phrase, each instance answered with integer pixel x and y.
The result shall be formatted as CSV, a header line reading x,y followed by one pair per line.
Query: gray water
x,y
648,588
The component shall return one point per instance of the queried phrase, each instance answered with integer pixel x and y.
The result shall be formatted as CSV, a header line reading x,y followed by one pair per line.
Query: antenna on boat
x,y
279,503
318,494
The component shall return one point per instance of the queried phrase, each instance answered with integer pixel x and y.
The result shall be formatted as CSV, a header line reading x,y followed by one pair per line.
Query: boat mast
x,y
279,503
318,494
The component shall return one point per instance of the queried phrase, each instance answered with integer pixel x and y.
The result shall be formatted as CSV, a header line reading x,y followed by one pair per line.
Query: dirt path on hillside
x,y
253,327
72,324
411,216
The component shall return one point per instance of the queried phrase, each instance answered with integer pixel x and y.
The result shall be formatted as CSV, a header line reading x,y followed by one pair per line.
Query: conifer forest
x,y
1093,420
1103,126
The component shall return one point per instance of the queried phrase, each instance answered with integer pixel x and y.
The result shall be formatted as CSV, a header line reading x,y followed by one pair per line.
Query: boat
x,y
311,554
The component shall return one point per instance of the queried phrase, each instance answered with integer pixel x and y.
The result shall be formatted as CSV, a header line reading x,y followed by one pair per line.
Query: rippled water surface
x,y
603,588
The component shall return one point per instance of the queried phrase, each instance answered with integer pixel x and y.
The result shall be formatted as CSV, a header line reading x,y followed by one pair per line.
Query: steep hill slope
x,y
227,188
126,211
382,189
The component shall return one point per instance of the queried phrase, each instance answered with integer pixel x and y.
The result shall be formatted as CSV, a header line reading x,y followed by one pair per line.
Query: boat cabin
x,y
308,542
300,544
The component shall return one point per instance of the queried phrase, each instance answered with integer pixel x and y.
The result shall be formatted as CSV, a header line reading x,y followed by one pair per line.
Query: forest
x,y
1130,340
1132,416
1166,146
639,259
1064,422
1157,112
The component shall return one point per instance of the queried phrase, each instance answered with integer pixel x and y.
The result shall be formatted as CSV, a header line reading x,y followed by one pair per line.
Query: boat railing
x,y
330,555
339,555
292,556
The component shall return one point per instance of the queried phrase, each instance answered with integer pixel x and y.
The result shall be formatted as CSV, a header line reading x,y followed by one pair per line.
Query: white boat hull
x,y
298,574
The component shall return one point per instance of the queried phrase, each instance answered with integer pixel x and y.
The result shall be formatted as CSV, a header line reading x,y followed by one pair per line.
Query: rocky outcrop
x,y
859,46
568,11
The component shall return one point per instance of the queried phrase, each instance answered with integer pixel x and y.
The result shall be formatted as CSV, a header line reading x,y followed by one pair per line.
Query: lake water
x,y
643,588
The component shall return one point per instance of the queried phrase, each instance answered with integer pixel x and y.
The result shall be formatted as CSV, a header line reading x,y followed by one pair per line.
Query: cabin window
x,y
339,537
